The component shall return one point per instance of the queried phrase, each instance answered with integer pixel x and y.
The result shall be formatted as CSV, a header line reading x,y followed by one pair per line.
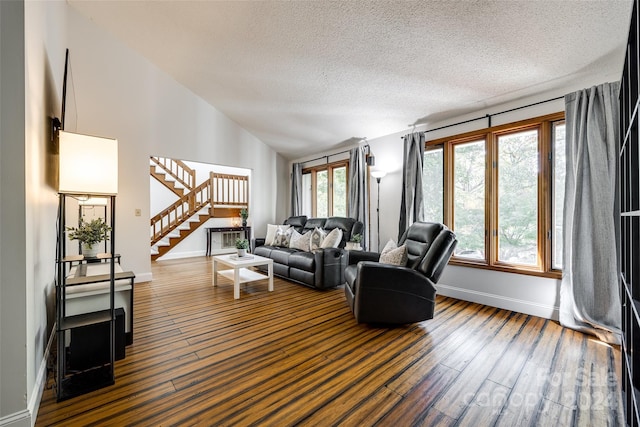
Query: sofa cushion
x,y
395,256
303,261
297,222
272,229
317,236
306,277
281,255
313,223
264,251
333,239
344,224
283,236
300,241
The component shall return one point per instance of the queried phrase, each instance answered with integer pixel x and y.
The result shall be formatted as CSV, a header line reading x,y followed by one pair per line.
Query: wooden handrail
x,y
178,170
219,189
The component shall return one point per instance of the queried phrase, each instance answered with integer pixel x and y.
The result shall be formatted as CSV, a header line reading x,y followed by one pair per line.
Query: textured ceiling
x,y
305,76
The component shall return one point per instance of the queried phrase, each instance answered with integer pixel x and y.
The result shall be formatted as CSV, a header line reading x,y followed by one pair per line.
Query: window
x,y
433,184
501,190
325,190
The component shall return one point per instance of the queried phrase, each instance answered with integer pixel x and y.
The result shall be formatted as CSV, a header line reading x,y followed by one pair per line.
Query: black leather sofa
x,y
389,294
322,268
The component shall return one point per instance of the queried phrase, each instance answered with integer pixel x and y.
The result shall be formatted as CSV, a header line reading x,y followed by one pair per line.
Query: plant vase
x,y
89,251
353,246
242,253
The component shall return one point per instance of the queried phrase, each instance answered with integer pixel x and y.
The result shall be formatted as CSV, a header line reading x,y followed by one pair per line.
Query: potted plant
x,y
354,243
242,245
244,214
90,234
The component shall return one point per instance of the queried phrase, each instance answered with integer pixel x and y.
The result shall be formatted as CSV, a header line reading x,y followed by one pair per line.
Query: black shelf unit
x,y
70,381
629,191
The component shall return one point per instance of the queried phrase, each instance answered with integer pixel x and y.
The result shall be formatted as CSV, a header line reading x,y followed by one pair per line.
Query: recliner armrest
x,y
330,265
357,256
258,241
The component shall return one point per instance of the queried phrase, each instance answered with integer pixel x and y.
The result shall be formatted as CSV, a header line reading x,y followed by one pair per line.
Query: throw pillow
x,y
317,236
271,234
396,256
333,239
389,246
283,236
300,241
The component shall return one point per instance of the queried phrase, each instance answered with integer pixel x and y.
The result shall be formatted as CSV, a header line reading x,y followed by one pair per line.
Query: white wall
x,y
122,95
32,62
13,317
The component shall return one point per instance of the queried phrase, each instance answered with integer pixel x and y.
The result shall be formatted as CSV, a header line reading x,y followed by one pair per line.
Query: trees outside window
x,y
433,184
468,198
517,170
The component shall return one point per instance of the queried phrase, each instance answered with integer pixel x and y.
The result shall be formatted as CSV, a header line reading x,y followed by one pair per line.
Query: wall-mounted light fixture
x,y
87,165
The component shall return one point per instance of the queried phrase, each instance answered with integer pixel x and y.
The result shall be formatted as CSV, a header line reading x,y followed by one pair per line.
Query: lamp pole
x,y
378,175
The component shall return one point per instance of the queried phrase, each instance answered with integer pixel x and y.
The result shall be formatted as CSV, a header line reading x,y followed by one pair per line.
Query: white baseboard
x,y
41,380
500,301
27,418
18,419
176,255
143,277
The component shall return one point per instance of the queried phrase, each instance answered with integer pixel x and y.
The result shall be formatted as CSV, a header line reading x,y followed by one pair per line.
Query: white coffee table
x,y
239,272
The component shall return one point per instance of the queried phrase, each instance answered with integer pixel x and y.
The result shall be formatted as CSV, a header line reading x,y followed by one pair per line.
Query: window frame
x,y
544,124
329,168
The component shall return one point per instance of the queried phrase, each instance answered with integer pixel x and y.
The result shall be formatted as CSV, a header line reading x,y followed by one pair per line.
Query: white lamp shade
x,y
88,164
378,173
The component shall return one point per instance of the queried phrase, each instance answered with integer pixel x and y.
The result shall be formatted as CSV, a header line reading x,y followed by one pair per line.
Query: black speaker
x,y
89,345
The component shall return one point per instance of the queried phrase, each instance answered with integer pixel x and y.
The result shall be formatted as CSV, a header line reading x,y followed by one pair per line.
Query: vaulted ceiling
x,y
306,76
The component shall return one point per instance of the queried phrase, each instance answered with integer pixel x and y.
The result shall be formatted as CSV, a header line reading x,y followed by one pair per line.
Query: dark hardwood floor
x,y
296,356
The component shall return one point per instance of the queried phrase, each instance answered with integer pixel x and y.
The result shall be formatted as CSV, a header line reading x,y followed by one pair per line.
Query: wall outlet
x,y
138,212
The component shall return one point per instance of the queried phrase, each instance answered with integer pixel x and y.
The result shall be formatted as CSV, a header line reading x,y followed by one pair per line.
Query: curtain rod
x,y
488,116
328,155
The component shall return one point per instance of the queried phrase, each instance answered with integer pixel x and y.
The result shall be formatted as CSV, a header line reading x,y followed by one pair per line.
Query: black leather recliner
x,y
388,294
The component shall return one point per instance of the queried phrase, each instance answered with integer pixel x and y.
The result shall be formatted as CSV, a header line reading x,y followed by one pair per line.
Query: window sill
x,y
555,274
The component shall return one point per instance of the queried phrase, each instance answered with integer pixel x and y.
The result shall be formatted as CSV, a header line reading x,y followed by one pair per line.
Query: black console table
x,y
211,230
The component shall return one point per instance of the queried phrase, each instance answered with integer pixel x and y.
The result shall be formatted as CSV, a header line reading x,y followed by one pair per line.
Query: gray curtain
x,y
411,207
589,294
358,194
296,189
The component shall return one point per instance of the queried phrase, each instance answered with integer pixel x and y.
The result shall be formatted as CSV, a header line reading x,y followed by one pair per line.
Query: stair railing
x,y
218,190
178,170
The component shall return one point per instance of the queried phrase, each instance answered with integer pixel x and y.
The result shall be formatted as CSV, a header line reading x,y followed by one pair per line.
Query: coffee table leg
x,y
215,273
270,277
236,283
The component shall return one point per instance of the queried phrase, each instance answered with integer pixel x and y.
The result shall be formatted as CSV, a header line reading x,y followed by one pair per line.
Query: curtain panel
x,y
358,194
589,293
296,189
411,205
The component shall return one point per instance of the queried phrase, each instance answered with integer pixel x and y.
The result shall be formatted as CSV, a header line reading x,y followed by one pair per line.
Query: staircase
x,y
220,196
173,174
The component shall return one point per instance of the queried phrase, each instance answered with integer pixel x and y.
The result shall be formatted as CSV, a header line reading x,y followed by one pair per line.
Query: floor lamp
x,y
378,175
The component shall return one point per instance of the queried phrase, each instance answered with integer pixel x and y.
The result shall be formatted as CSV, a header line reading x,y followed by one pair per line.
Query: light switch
x,y
138,212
